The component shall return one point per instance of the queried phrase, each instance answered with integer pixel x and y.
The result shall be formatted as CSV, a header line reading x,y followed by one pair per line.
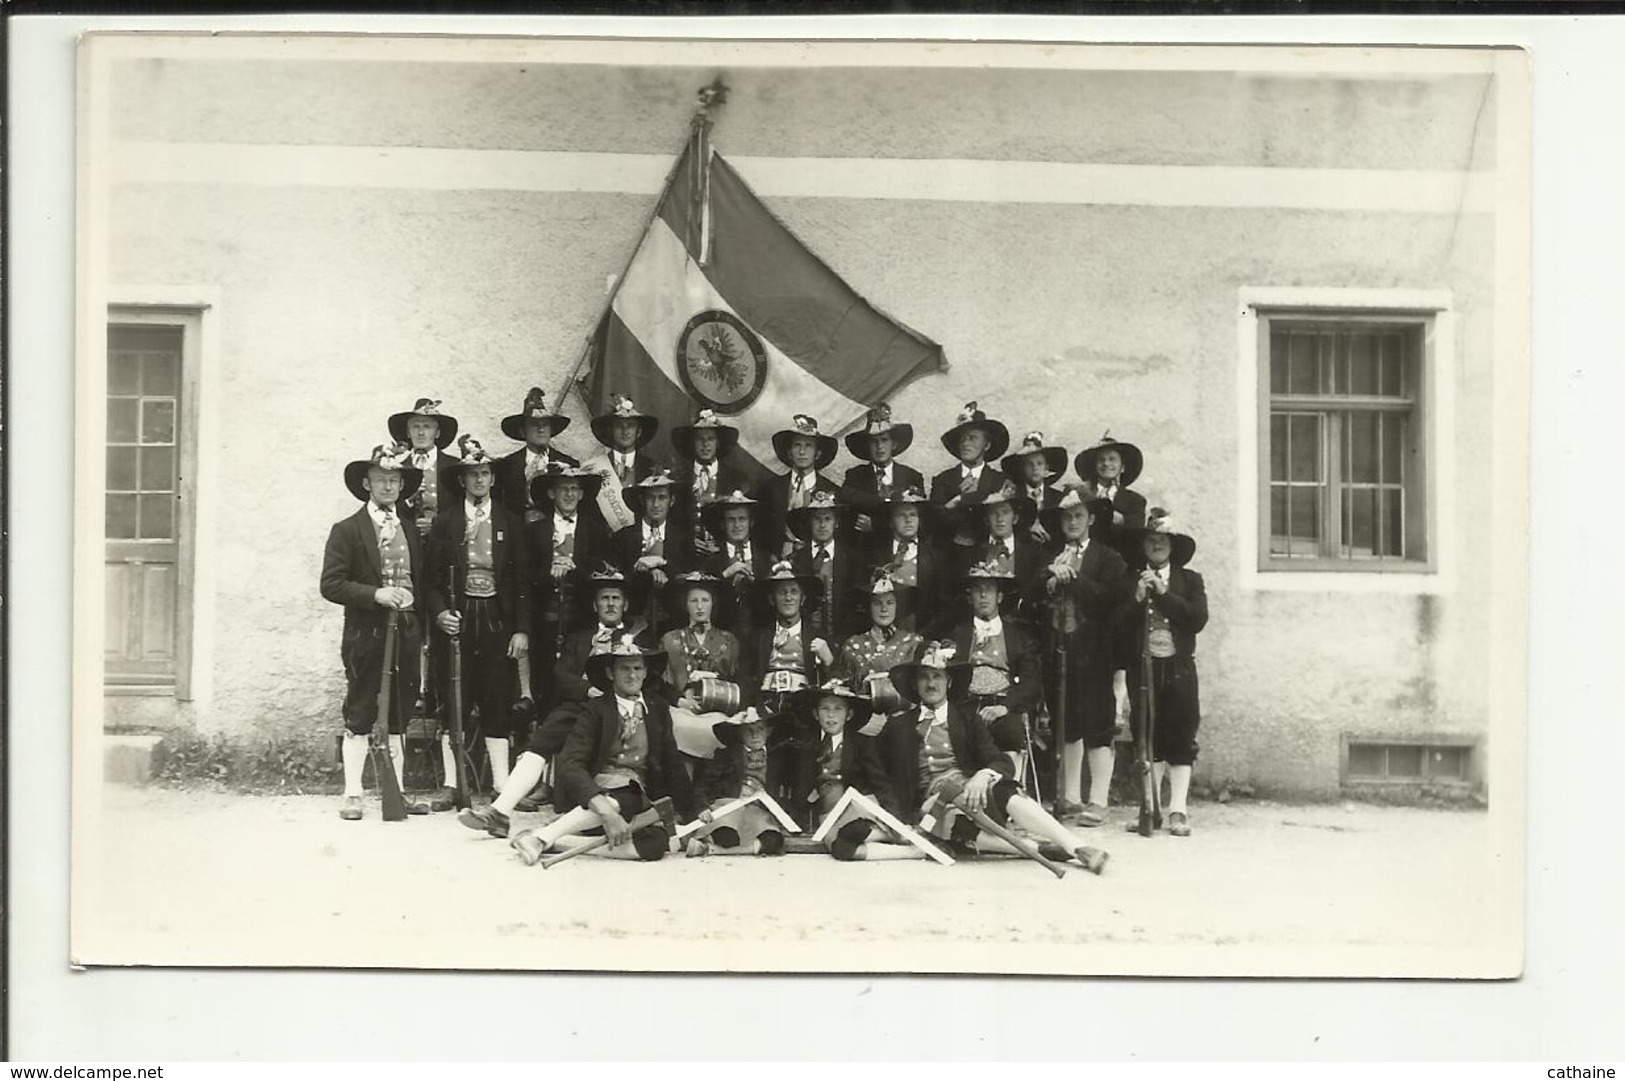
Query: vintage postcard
x,y
814,506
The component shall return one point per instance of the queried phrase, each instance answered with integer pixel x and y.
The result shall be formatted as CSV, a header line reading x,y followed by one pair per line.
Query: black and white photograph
x,y
649,505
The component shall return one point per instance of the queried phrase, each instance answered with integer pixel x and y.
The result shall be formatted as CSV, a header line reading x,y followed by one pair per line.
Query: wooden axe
x,y
660,811
954,795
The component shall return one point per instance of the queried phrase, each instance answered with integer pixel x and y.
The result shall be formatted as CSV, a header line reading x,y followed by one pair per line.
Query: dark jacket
x,y
743,611
509,557
511,489
353,571
969,737
1184,605
627,548
861,486
757,652
1022,649
945,485
839,617
1103,591
1029,569
730,478
860,768
930,601
1131,505
569,671
591,545
591,742
774,495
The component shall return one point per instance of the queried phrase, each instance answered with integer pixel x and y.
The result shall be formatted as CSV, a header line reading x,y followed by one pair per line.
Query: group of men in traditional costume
x,y
950,650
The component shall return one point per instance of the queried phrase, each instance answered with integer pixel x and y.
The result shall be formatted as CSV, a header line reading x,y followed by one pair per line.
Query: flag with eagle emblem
x,y
723,308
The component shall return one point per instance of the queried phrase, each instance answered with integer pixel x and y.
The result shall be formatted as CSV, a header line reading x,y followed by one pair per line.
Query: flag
x,y
758,331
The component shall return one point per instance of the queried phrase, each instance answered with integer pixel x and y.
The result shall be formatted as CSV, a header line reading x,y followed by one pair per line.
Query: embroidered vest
x,y
480,579
396,560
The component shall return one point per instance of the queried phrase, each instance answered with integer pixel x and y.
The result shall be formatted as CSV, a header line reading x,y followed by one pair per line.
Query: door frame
x,y
189,318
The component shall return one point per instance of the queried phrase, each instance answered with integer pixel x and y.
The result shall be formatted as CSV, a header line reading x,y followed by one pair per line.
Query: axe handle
x,y
643,818
1030,851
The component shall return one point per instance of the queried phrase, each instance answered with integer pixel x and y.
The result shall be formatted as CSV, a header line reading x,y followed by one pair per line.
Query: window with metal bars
x,y
1345,480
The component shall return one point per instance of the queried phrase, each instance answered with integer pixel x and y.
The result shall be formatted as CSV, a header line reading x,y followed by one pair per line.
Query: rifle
x,y
389,788
454,705
1150,798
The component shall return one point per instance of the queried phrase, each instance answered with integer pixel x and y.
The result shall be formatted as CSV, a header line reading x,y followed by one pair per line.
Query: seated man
x,y
620,758
1005,687
849,759
959,764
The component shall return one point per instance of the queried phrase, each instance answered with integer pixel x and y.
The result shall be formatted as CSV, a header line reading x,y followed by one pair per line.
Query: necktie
x,y
821,560
482,510
630,720
798,493
704,482
420,459
623,468
826,750
386,531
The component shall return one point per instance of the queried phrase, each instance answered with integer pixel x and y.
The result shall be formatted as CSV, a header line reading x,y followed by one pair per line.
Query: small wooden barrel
x,y
884,694
717,696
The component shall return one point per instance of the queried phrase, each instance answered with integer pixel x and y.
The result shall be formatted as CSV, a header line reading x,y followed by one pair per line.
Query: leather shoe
x,y
1092,815
526,805
1093,859
529,846
485,819
351,811
1065,809
443,800
416,807
1178,824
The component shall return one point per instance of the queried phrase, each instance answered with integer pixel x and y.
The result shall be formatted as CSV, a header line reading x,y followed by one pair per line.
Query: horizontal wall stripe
x,y
1068,183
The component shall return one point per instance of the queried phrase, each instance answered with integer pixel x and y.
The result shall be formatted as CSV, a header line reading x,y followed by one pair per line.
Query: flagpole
x,y
709,96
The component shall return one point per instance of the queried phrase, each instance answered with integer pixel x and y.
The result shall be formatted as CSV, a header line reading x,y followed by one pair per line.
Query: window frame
x,y
1432,414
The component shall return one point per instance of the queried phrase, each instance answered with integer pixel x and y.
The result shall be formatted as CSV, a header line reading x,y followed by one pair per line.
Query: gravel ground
x,y
206,878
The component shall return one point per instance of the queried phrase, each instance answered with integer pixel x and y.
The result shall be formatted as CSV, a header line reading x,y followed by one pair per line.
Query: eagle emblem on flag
x,y
721,361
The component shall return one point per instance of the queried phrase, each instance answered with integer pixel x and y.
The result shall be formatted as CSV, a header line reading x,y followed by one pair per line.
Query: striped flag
x,y
758,331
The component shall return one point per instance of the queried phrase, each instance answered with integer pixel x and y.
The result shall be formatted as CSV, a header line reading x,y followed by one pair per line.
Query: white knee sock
x,y
1120,693
397,758
1072,768
1179,787
1101,760
496,748
526,772
1159,770
354,751
448,760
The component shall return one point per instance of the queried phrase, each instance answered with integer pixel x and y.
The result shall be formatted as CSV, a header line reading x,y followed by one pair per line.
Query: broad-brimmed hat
x,y
622,408
472,453
659,477
1005,580
1133,460
800,519
803,426
600,577
882,584
1006,494
541,485
390,456
682,436
1159,521
879,422
711,513
939,656
860,704
598,665
998,436
909,497
1050,517
675,593
535,408
427,409
812,586
1033,445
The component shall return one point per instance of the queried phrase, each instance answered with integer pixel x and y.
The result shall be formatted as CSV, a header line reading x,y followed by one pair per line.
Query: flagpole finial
x,y
714,94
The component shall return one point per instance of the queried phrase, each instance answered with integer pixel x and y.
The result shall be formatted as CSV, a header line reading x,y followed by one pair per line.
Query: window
x,y
1431,760
1343,436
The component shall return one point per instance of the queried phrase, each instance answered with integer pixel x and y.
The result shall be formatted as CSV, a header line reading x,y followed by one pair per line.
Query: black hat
x,y
879,422
998,436
598,665
392,456
429,409
860,704
812,586
675,594
605,575
989,572
909,497
1133,460
711,513
1033,444
1050,517
621,408
535,408
472,454
799,520
541,485
1026,509
803,426
938,655
1159,521
682,436
659,477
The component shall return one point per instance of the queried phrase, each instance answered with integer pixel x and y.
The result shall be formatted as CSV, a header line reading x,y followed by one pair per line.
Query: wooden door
x,y
146,623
